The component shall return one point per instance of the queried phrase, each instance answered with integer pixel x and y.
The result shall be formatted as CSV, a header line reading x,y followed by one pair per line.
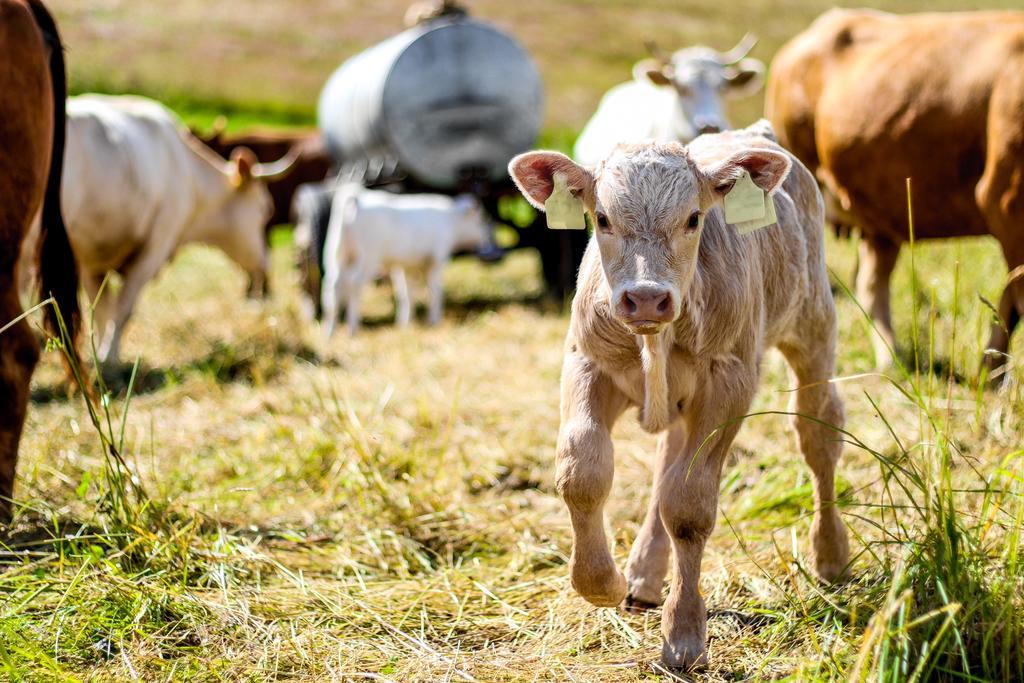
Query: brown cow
x,y
867,99
32,138
312,165
674,310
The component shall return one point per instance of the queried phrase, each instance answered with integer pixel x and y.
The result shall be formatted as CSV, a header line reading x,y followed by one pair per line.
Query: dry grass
x,y
382,508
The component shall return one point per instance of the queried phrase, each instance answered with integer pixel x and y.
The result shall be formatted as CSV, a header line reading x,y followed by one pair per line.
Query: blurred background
x,y
265,61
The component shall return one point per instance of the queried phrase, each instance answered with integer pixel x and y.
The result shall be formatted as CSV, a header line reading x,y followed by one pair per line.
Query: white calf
x,y
371,231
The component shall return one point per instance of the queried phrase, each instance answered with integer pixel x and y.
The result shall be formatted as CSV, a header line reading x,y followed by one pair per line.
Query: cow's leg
x,y
649,556
19,353
877,258
403,304
135,276
100,306
1000,196
688,503
817,416
584,471
1011,308
435,286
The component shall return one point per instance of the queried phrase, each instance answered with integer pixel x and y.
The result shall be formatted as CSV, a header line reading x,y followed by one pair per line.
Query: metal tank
x,y
447,103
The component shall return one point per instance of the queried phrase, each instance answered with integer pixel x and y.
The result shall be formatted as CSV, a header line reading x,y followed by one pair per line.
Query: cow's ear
x,y
745,78
768,169
243,160
654,70
220,124
534,174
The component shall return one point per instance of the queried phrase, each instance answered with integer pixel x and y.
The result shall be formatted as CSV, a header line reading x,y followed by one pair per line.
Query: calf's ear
x,y
768,169
534,172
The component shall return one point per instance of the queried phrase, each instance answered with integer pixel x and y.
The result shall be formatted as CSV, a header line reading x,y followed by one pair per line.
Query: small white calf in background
x,y
372,231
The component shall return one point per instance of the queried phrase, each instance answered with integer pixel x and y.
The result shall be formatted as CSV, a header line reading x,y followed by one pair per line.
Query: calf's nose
x,y
705,128
646,304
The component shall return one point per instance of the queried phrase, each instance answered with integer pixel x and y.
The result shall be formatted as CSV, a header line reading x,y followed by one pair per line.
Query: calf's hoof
x,y
687,654
830,571
831,550
635,605
643,592
601,586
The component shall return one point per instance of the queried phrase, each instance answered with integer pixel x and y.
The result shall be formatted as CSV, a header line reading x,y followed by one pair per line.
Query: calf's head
x,y
472,227
648,204
701,78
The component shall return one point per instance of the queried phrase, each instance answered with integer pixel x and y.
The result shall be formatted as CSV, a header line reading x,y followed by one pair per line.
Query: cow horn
x,y
741,50
276,170
655,51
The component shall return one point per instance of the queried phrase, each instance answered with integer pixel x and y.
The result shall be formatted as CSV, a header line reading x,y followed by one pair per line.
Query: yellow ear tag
x,y
768,219
744,202
564,211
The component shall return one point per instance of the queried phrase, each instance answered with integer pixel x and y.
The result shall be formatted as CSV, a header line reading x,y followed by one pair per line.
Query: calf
x,y
673,313
138,186
373,230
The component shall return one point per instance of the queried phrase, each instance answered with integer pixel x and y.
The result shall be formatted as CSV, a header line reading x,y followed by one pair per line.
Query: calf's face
x,y
648,204
472,227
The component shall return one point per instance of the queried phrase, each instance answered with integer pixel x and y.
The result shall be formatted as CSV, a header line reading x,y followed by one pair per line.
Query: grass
x,y
382,508
269,506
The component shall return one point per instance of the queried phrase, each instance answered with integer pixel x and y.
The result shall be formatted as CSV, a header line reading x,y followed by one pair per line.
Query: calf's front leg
x,y
687,496
584,473
403,303
651,551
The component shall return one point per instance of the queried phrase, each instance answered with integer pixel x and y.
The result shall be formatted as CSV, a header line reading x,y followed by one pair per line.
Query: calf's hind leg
x,y
817,415
584,471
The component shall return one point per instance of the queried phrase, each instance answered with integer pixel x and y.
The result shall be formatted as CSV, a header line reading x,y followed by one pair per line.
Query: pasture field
x,y
382,508
252,503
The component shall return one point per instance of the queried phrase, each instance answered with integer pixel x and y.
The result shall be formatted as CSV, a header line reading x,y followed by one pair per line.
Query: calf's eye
x,y
694,220
602,222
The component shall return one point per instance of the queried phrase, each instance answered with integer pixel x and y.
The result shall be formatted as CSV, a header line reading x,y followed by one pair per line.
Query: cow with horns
x,y
671,98
138,186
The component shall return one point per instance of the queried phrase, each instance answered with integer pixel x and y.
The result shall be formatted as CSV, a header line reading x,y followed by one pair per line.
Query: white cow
x,y
372,231
137,186
670,99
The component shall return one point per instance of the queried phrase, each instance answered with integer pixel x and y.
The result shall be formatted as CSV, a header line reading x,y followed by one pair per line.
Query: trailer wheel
x,y
561,252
